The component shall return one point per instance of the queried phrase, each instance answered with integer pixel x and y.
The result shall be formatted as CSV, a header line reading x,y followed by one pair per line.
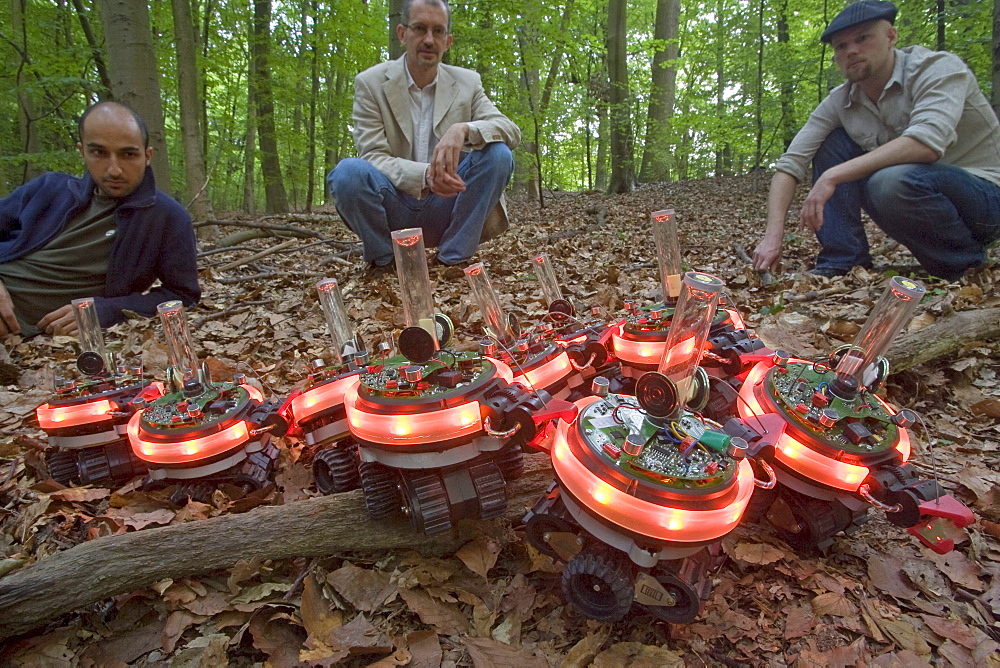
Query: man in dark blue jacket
x,y
109,235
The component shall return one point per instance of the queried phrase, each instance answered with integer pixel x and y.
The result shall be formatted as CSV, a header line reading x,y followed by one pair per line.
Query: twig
x,y
232,310
264,253
215,251
292,229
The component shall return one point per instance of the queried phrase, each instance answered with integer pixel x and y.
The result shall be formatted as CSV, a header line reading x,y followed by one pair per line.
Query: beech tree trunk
x,y
622,151
191,130
135,78
276,200
25,104
656,154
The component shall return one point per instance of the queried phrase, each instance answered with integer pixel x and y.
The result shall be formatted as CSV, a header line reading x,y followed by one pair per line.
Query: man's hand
x,y
8,321
60,321
767,254
442,173
812,206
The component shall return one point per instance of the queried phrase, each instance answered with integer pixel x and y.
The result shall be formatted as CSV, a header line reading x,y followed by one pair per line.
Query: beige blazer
x,y
383,126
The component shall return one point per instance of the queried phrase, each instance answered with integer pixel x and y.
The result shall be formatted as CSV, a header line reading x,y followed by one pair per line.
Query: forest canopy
x,y
255,98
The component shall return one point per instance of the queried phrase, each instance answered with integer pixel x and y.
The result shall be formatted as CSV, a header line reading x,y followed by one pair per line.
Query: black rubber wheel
x,y
598,582
381,487
490,489
95,469
510,460
63,467
540,525
686,602
427,503
337,469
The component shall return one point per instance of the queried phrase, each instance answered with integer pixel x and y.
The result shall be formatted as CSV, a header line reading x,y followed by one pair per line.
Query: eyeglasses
x,y
419,29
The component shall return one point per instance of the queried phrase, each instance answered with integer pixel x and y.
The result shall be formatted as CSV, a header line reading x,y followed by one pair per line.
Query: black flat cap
x,y
859,12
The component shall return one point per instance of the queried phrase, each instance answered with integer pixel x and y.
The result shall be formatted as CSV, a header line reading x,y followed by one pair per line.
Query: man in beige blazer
x,y
434,151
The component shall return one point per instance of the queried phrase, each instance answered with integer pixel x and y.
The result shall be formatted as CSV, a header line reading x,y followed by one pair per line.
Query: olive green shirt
x,y
71,266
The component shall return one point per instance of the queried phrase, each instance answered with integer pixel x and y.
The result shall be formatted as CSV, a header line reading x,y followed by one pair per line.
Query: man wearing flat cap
x,y
909,137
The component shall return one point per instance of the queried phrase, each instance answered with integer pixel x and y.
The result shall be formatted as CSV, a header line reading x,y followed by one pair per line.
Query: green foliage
x,y
513,43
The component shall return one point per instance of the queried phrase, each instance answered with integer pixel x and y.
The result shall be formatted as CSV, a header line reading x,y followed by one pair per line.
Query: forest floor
x,y
877,598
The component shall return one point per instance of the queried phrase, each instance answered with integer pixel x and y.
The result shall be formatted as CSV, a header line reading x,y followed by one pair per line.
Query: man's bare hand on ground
x,y
59,322
767,254
8,321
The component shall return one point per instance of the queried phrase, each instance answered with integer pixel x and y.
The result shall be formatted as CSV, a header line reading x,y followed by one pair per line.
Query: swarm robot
x,y
204,433
439,431
638,341
839,449
644,486
558,355
86,416
317,408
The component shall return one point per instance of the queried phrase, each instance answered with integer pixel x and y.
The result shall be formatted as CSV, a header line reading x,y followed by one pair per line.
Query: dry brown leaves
x,y
877,599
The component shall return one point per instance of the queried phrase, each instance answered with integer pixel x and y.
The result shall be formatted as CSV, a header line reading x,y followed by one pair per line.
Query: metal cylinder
x,y
633,445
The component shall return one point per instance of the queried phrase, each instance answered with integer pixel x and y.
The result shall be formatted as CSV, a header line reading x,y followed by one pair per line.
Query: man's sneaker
x,y
376,271
828,272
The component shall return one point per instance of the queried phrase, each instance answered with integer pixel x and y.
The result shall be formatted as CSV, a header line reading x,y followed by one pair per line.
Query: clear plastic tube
x,y
337,321
893,310
699,296
89,327
497,322
546,278
180,349
668,252
414,280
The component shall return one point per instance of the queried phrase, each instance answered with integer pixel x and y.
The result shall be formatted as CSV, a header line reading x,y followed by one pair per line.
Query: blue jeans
x,y
943,214
372,207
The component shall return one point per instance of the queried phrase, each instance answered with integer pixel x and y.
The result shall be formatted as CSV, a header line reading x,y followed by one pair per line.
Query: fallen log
x,y
946,336
104,567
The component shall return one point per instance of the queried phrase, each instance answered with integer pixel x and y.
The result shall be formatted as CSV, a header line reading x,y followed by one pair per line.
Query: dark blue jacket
x,y
153,240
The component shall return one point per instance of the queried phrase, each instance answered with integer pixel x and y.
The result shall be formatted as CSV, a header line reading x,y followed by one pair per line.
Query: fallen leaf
x,y
488,653
951,629
584,651
80,494
317,616
425,649
886,572
479,555
834,604
367,590
757,553
799,621
444,617
638,655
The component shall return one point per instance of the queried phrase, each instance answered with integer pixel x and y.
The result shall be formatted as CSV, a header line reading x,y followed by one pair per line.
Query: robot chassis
x,y
645,488
204,433
85,418
433,433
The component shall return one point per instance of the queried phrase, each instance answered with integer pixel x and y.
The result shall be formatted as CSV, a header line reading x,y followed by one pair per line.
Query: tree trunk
x,y
187,86
622,154
276,200
787,86
316,527
25,104
656,154
395,18
313,100
135,79
95,49
249,148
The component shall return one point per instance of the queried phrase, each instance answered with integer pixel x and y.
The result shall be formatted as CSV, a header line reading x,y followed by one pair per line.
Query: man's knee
x,y
351,175
890,183
497,156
